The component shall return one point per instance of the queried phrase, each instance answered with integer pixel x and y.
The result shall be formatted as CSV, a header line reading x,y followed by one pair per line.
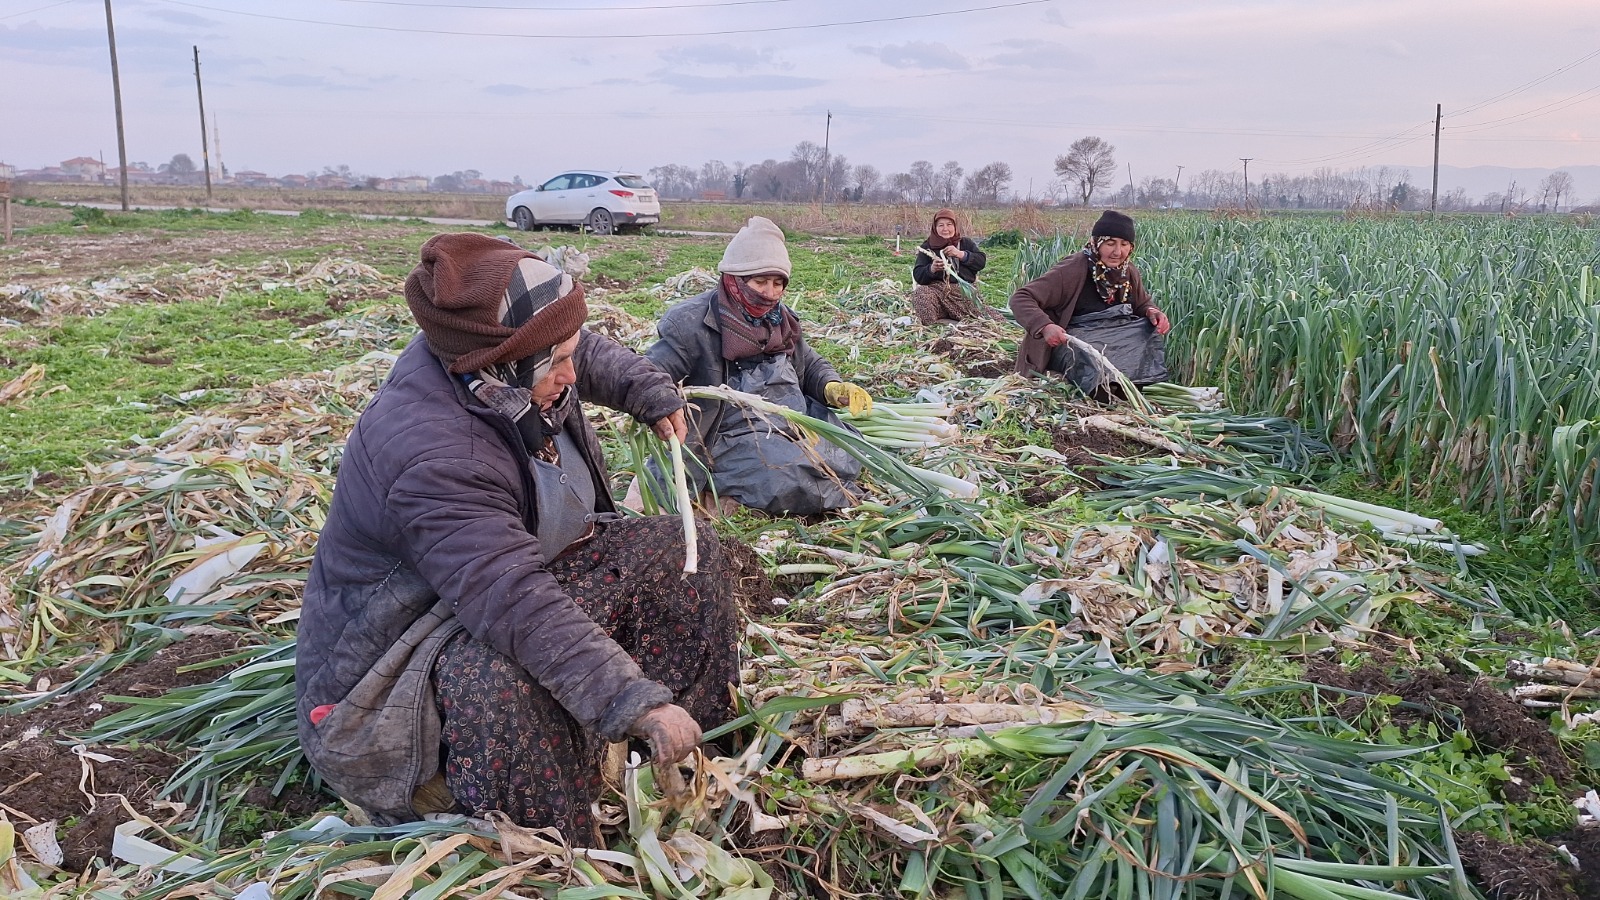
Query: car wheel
x,y
600,222
523,218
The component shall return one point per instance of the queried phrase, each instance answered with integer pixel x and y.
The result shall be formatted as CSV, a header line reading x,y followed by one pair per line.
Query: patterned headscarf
x,y
1113,285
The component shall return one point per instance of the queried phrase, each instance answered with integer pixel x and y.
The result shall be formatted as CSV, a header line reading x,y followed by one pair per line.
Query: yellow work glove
x,y
844,394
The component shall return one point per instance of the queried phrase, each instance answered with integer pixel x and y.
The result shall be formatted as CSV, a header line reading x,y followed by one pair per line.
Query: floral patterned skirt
x,y
510,746
945,300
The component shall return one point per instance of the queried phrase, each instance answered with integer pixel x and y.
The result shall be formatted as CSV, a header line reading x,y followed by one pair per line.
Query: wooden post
x,y
116,93
5,209
1438,117
205,149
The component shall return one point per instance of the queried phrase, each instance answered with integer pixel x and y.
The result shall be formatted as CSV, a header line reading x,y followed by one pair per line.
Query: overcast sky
x,y
520,87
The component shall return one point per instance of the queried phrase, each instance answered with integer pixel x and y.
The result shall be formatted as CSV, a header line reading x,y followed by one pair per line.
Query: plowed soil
x,y
48,779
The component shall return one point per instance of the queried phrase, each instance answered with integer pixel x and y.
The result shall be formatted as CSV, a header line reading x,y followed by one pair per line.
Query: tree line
x,y
1086,173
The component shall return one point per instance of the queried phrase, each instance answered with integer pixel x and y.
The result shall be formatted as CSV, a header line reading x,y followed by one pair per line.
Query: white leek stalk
x,y
680,482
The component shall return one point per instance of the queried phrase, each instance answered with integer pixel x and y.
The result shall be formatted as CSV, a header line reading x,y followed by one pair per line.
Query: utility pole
x,y
205,148
1246,162
116,93
216,141
1438,117
1130,184
827,162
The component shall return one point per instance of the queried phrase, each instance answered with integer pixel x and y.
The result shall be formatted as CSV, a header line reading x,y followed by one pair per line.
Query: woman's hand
x,y
955,252
938,264
671,732
672,426
1054,335
1159,320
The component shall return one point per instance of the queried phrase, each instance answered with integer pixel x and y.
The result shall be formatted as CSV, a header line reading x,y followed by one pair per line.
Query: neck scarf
x,y
1113,285
495,388
749,329
935,242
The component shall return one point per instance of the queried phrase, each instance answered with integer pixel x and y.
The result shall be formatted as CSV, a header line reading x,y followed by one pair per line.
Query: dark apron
x,y
768,465
1124,338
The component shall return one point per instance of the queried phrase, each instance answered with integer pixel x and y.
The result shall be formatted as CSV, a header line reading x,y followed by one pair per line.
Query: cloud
x,y
508,90
727,55
299,80
1027,53
733,84
916,55
36,41
179,17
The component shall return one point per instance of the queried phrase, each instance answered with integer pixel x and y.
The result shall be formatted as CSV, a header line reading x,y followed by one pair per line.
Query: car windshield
x,y
632,181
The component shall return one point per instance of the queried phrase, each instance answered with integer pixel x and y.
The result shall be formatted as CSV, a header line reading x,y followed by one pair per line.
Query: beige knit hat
x,y
756,249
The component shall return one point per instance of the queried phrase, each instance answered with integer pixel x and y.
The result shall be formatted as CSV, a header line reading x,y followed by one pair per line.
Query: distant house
x,y
248,178
295,181
332,183
86,168
409,184
7,171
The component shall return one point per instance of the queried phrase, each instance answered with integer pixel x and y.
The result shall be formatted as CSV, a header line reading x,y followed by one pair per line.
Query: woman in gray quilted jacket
x,y
479,624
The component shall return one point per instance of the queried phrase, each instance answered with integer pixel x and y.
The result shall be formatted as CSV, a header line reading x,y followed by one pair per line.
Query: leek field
x,y
1322,633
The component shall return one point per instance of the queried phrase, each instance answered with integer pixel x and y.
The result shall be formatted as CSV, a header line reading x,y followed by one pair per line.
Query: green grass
x,y
109,378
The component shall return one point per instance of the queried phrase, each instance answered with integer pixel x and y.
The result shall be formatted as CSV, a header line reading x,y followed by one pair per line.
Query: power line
x,y
1538,111
35,9
1520,88
612,35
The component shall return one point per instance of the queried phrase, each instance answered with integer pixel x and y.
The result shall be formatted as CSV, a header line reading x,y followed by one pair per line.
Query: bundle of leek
x,y
922,483
903,426
1139,482
1178,396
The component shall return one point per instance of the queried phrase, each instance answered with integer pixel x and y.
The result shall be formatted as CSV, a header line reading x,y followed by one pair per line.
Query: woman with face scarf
x,y
741,334
1098,297
946,270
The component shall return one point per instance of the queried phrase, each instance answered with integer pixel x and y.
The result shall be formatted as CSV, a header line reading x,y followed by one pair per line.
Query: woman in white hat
x,y
741,334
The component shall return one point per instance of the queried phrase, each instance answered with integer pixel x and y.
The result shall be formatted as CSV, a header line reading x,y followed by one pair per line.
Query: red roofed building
x,y
85,167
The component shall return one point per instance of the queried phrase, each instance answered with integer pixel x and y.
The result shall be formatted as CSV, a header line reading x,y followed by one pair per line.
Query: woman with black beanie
x,y
1096,296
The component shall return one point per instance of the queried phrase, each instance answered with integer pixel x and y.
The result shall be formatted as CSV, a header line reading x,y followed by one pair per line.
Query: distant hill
x,y
1479,181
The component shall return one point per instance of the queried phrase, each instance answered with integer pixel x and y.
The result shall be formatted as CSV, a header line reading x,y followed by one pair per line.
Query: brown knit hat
x,y
482,301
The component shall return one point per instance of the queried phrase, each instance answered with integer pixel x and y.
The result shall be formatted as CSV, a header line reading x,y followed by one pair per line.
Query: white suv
x,y
603,201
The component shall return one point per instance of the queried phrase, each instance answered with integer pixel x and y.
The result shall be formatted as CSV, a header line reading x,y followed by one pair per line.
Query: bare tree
x,y
1157,192
924,181
807,157
1554,186
1089,164
949,181
902,186
987,184
866,180
673,180
715,176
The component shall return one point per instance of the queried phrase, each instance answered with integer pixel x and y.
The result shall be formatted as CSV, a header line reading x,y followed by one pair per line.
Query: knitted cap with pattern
x,y
482,301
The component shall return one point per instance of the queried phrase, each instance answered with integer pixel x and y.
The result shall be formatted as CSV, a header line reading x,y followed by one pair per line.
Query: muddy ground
x,y
43,260
1530,871
48,780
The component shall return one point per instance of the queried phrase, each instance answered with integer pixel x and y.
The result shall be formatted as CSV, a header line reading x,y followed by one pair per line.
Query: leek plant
x,y
1459,355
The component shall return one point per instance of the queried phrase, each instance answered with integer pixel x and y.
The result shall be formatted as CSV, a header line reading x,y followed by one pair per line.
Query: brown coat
x,y
1051,299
